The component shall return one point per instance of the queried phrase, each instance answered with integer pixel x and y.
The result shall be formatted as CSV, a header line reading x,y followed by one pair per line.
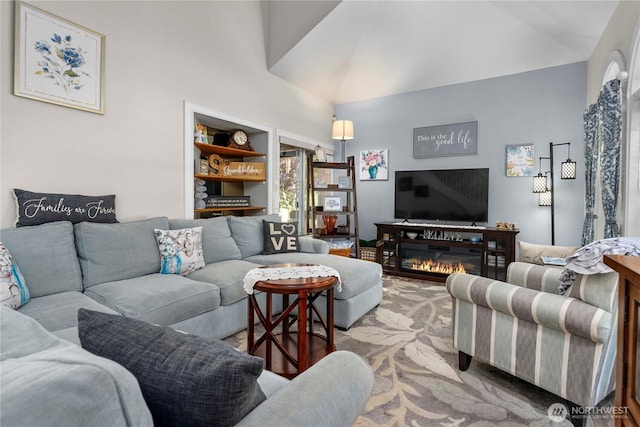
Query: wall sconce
x,y
545,192
343,131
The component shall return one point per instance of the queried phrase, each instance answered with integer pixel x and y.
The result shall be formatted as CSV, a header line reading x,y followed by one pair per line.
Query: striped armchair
x,y
565,344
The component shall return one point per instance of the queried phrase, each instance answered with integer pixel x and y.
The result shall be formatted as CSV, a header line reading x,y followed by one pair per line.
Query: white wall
x,y
158,55
536,107
619,40
617,36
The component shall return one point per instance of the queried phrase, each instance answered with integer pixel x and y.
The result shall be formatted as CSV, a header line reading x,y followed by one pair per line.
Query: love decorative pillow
x,y
40,208
186,380
280,237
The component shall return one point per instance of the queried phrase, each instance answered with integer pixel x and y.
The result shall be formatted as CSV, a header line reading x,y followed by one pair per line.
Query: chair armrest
x,y
533,276
332,392
312,245
553,311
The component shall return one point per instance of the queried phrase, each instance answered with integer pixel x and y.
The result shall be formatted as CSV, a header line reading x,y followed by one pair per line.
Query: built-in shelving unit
x,y
218,128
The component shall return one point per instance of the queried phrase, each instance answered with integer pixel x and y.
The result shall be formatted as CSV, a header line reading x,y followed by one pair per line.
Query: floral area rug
x,y
407,341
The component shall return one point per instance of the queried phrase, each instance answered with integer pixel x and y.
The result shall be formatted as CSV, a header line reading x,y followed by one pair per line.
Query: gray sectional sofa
x,y
114,268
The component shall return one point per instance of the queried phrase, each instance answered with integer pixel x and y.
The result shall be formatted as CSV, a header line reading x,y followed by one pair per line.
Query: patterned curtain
x,y
591,149
611,129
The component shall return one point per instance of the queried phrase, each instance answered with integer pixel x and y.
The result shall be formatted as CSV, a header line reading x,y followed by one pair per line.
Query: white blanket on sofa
x,y
588,259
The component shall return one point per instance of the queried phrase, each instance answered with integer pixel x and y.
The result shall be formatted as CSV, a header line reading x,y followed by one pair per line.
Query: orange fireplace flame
x,y
438,267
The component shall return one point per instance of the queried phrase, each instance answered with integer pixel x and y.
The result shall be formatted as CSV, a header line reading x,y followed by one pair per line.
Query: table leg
x,y
330,319
285,321
268,331
250,327
302,331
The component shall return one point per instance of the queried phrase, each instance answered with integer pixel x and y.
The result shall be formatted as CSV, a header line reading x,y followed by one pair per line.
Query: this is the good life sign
x,y
445,140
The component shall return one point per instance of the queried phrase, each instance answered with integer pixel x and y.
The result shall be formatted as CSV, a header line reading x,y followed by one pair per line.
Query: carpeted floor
x,y
407,341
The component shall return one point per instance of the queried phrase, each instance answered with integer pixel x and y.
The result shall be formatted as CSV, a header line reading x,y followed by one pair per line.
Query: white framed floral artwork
x,y
58,61
520,160
374,165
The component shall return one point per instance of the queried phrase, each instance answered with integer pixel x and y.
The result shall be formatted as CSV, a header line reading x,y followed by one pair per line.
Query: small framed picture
x,y
344,182
520,160
204,167
332,203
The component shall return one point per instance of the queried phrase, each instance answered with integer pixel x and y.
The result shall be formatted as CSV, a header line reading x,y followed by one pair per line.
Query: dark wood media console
x,y
428,251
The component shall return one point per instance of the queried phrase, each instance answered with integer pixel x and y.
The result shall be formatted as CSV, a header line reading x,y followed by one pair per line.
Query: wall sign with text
x,y
445,140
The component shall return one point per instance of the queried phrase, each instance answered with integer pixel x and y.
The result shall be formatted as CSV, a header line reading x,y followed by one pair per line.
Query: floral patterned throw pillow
x,y
13,290
180,250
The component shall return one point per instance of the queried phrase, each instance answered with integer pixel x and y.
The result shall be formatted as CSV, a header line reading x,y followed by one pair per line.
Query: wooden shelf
x,y
225,151
229,178
247,208
329,165
346,190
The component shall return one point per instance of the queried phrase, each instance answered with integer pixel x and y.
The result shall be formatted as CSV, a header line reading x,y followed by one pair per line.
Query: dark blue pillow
x,y
40,208
185,379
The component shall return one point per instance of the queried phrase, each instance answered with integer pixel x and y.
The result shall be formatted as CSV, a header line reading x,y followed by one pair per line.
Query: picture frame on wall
x,y
58,61
332,203
520,160
374,165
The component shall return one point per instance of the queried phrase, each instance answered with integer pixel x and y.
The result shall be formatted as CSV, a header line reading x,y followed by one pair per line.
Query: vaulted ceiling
x,y
354,50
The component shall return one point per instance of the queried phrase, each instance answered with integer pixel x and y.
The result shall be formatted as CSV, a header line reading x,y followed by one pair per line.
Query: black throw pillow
x,y
185,379
280,237
40,208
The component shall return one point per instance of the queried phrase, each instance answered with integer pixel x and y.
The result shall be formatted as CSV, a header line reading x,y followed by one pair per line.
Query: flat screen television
x,y
443,194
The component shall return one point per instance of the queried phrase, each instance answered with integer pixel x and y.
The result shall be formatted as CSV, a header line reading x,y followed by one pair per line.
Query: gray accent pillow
x,y
110,252
39,208
185,379
46,255
280,237
247,232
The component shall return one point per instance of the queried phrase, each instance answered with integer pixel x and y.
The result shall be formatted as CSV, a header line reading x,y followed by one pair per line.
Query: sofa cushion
x,y
59,311
13,289
185,379
163,299
40,208
109,252
217,243
356,275
533,253
46,255
247,232
180,250
226,275
280,237
48,381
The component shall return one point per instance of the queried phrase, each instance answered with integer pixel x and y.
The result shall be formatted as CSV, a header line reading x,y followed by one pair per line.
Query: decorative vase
x,y
329,222
373,171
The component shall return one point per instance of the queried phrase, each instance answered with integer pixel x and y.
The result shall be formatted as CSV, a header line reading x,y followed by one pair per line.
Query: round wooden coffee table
x,y
290,352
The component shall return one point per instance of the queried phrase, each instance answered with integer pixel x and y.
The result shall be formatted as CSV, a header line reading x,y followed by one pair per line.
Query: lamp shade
x,y
342,130
539,183
544,199
568,170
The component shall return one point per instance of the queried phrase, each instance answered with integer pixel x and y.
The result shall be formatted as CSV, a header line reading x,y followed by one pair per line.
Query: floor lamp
x,y
343,131
541,183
